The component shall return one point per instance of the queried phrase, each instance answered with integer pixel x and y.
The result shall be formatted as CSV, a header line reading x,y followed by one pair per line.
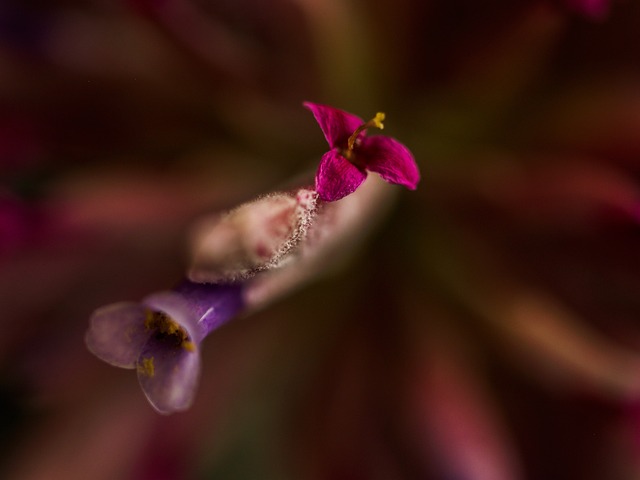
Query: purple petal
x,y
337,125
337,177
391,160
168,375
117,333
178,308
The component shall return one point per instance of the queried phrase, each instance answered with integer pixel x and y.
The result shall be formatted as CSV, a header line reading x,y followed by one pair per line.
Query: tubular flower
x,y
242,260
344,167
160,337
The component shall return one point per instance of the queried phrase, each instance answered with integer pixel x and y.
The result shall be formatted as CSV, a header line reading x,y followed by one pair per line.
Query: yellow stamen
x,y
375,122
147,368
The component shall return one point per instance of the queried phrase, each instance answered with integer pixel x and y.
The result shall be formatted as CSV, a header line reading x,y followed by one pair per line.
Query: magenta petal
x,y
391,160
117,333
168,375
337,177
337,125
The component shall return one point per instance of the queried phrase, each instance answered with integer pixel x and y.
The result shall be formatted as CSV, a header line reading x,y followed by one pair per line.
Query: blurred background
x,y
487,330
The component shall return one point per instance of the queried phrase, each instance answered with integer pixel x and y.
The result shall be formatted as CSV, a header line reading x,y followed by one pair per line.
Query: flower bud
x,y
256,236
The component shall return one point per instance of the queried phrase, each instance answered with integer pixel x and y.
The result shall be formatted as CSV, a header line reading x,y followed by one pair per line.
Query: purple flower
x,y
160,338
344,167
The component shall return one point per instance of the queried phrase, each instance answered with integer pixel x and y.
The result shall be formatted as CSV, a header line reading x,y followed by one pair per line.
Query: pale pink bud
x,y
256,236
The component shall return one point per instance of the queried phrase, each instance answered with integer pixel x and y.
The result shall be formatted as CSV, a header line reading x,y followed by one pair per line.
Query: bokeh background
x,y
489,329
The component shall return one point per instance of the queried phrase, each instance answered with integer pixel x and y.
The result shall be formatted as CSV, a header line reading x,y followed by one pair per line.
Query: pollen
x,y
377,120
168,329
147,367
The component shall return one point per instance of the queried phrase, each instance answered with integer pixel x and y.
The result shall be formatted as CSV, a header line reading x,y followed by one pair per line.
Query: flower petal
x,y
337,177
337,125
391,160
168,375
117,333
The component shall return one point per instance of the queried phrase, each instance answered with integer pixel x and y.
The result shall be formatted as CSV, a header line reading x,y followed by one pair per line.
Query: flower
x,y
344,167
504,295
160,338
264,248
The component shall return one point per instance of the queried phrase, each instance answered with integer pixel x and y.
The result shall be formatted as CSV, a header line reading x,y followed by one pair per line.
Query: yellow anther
x,y
189,346
147,368
377,120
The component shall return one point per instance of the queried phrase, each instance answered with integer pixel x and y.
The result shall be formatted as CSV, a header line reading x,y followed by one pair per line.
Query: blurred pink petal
x,y
597,9
564,350
455,423
562,193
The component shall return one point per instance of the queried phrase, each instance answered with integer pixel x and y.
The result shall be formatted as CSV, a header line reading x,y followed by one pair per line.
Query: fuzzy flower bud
x,y
256,236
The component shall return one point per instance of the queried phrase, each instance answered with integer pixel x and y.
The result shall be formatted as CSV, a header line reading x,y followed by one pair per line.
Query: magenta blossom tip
x,y
344,167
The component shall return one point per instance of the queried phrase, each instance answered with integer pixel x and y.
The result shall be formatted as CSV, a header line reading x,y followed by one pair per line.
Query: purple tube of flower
x,y
160,337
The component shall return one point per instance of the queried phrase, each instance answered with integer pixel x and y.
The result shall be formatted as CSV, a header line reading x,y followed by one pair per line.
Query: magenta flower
x,y
344,167
160,338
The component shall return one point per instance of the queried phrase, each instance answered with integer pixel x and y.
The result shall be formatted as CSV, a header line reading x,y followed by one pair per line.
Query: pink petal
x,y
117,333
596,9
454,415
337,125
391,160
168,375
337,177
